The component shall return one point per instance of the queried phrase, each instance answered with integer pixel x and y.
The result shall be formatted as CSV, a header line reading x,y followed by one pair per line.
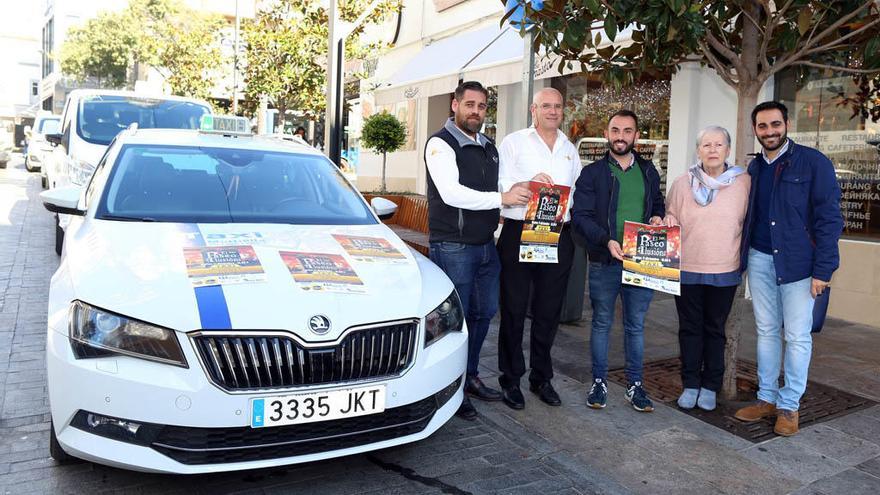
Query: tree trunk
x,y
384,156
750,83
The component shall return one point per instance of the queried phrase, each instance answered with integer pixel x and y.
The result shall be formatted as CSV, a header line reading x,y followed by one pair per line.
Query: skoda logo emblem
x,y
319,324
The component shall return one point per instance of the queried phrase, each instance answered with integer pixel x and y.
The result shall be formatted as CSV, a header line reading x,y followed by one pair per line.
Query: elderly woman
x,y
709,201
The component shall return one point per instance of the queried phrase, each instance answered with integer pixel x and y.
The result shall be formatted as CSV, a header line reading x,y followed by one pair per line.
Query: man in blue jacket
x,y
790,247
620,187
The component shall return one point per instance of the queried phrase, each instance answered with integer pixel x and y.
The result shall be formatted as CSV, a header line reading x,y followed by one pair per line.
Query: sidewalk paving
x,y
569,449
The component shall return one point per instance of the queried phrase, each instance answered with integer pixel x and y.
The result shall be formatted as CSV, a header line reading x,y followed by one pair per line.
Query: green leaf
x,y
610,27
594,7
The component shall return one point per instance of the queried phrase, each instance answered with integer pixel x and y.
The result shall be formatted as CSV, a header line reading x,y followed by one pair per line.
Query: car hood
x,y
140,270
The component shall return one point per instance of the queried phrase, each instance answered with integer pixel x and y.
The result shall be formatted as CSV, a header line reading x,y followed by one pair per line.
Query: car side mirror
x,y
63,200
384,208
55,139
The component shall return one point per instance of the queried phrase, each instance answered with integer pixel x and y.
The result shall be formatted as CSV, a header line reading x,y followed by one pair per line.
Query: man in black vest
x,y
463,213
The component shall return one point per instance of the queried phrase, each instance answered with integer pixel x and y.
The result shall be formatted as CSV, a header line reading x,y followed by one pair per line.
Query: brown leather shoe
x,y
756,411
786,423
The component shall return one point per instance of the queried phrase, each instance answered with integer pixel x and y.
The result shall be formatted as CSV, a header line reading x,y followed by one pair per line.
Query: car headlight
x,y
95,332
79,171
447,317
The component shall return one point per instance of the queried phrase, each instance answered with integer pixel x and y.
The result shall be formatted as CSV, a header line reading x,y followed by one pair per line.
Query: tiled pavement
x,y
539,450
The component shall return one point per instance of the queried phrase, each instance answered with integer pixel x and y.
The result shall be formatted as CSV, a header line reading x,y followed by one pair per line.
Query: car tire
x,y
44,181
27,164
55,450
2,164
59,237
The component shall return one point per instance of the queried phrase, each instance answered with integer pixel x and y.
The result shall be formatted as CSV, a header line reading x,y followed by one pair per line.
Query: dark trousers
x,y
702,314
473,270
548,282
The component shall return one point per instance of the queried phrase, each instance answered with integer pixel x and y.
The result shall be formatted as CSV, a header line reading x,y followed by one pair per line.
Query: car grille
x,y
189,445
253,362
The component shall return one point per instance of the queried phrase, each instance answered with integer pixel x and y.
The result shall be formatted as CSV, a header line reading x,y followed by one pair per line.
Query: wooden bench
x,y
410,221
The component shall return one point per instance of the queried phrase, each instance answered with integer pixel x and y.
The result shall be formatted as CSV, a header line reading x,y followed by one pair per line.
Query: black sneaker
x,y
636,396
598,394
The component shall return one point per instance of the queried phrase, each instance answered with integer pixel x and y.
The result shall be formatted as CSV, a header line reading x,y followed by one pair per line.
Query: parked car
x,y
91,120
5,154
230,302
38,147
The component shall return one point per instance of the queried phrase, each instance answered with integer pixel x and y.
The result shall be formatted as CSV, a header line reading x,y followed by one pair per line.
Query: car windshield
x,y
48,126
103,116
222,185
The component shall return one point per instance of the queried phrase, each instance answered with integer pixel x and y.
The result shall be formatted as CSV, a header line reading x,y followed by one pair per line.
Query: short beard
x,y
629,147
466,125
782,140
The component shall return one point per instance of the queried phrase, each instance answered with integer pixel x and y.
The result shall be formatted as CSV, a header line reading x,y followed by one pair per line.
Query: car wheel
x,y
59,236
44,182
55,450
2,164
27,165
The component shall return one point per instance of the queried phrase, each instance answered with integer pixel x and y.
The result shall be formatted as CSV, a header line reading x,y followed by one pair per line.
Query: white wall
x,y
699,98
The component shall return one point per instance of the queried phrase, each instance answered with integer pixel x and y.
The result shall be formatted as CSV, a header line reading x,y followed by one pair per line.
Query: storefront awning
x,y
491,55
436,69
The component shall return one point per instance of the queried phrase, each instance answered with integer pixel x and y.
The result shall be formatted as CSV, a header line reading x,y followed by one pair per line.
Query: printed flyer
x,y
223,265
652,257
370,249
322,272
543,223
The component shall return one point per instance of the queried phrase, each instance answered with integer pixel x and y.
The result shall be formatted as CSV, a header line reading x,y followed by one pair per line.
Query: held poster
x,y
322,272
652,257
370,249
543,223
223,265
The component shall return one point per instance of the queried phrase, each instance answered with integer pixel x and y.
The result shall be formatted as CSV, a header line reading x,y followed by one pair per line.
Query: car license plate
x,y
318,406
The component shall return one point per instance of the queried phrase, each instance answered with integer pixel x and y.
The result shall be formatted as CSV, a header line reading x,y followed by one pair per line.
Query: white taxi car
x,y
226,302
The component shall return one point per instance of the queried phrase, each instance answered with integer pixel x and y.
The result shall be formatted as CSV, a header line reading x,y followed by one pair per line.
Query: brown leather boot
x,y
756,411
786,423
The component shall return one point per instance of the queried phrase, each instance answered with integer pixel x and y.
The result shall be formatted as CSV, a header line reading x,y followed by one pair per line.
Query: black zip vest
x,y
477,170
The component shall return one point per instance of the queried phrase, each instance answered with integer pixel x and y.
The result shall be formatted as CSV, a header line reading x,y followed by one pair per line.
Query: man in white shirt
x,y
541,153
463,207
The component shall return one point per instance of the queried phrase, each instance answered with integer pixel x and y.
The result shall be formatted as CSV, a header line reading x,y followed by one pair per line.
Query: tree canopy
x,y
746,42
287,50
179,42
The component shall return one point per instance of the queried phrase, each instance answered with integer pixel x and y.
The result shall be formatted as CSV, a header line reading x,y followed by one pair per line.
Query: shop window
x,y
589,103
817,119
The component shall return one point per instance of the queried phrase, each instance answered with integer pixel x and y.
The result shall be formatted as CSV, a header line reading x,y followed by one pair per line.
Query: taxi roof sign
x,y
225,124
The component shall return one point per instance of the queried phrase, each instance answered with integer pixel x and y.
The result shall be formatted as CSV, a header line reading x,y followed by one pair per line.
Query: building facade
x,y
444,41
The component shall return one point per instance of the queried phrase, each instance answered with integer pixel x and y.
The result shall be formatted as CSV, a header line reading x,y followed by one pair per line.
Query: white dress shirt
x,y
524,155
440,159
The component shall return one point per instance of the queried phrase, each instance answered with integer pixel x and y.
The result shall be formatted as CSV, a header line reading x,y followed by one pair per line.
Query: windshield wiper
x,y
127,219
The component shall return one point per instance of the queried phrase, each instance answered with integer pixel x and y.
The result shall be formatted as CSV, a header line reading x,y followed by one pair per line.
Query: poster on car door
x,y
539,242
370,249
652,257
322,272
223,265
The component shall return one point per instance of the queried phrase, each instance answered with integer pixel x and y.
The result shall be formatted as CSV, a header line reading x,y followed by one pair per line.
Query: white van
x,y
91,120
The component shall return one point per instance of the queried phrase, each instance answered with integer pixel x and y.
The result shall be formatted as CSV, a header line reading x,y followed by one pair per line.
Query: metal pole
x,y
332,76
528,73
235,64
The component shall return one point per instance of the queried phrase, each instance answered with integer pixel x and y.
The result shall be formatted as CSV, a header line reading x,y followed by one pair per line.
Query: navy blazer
x,y
594,211
805,218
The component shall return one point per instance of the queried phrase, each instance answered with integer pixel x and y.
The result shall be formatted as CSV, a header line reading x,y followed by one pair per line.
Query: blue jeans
x,y
605,286
474,270
791,304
